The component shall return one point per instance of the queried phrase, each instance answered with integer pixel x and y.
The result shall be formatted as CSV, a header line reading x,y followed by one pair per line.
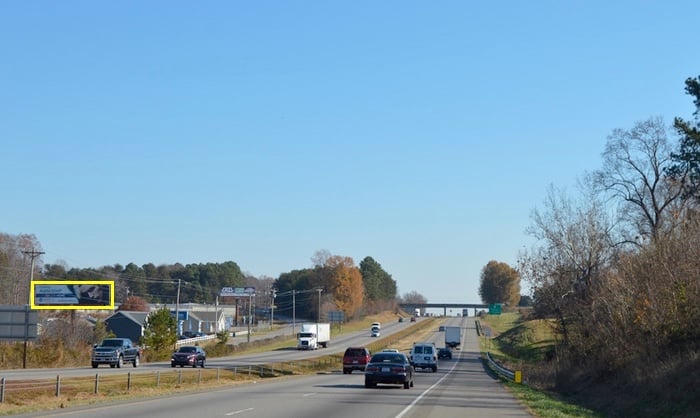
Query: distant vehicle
x,y
390,350
417,312
444,353
424,356
189,355
374,332
313,336
355,358
390,369
413,319
453,336
401,319
441,328
115,352
378,325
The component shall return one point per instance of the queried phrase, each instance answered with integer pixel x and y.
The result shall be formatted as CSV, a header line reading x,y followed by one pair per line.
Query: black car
x,y
389,368
444,353
188,355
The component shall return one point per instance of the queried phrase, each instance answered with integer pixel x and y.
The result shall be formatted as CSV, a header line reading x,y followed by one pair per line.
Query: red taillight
x,y
372,368
398,369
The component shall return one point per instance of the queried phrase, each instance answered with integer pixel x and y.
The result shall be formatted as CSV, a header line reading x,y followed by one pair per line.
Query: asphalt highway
x,y
461,387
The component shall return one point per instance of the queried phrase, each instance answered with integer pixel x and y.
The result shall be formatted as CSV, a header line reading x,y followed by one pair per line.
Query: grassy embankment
x,y
519,345
660,388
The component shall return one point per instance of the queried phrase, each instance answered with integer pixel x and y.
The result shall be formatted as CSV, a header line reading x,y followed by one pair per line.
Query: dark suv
x,y
355,358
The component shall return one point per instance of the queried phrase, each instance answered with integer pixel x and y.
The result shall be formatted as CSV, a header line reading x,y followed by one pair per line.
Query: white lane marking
x,y
240,411
309,394
425,392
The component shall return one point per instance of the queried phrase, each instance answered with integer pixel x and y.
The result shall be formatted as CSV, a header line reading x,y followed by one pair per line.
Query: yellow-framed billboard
x,y
72,294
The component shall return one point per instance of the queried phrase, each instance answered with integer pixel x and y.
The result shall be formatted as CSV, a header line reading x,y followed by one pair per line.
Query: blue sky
x,y
422,134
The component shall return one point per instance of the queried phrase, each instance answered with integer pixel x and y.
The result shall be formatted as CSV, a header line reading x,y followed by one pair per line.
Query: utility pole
x,y
177,310
250,312
33,254
216,315
294,312
272,308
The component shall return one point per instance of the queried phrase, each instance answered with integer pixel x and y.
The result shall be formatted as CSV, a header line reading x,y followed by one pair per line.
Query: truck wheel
x,y
136,361
202,365
120,362
94,365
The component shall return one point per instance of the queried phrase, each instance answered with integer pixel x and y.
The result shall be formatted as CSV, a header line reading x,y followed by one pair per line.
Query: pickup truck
x,y
115,352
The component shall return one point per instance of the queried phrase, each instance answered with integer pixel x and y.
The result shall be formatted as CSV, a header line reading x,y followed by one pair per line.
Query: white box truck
x,y
453,336
313,336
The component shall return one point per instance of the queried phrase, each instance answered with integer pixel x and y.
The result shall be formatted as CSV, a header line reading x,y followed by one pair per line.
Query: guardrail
x,y
513,375
23,391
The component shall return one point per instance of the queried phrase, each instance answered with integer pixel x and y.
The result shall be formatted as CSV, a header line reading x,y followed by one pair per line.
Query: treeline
x,y
347,288
617,267
343,285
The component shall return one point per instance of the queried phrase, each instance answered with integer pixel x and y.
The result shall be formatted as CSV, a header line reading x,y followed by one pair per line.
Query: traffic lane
x,y
464,388
456,390
327,395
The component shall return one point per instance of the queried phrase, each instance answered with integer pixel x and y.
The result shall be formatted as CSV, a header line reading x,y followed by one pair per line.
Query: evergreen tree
x,y
160,333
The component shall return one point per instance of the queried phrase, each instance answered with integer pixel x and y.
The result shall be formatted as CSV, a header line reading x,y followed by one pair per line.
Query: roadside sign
x,y
18,323
237,292
495,309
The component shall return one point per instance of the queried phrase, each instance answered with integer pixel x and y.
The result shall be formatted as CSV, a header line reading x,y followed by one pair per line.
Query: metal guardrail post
x,y
515,376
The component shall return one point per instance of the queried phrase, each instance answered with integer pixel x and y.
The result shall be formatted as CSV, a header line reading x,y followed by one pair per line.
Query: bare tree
x,y
576,245
15,267
635,163
320,258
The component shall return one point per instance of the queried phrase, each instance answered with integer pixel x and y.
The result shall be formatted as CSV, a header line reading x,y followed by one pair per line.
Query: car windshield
x,y
112,343
387,358
357,352
187,349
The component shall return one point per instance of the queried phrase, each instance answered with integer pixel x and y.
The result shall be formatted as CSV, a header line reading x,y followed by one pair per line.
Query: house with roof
x,y
208,322
127,324
208,319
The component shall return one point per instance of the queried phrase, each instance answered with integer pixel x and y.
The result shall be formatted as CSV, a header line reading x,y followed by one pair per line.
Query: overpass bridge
x,y
411,307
